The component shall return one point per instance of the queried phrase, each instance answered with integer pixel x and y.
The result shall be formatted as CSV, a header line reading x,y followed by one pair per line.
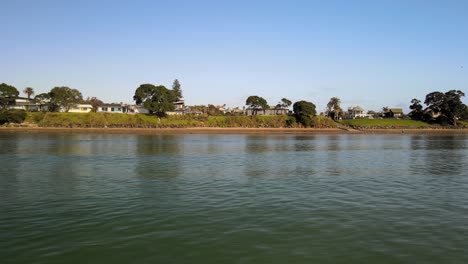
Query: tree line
x,y
442,108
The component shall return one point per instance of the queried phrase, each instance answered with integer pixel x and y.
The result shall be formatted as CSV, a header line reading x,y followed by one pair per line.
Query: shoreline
x,y
221,130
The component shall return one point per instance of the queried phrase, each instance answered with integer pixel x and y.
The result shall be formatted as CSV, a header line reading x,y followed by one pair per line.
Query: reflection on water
x,y
157,156
79,198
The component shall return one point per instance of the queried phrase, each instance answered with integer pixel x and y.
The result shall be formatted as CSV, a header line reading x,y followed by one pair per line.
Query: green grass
x,y
384,123
98,120
247,121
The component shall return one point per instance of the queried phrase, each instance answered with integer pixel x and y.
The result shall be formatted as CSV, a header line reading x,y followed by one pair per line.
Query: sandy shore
x,y
216,130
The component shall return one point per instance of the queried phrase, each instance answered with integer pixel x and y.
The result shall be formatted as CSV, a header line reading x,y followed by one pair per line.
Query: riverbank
x,y
216,130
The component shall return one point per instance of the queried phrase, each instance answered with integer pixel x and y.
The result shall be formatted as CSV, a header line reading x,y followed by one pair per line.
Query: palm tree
x,y
333,107
29,91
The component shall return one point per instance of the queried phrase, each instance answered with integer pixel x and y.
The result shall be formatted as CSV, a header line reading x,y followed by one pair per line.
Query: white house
x,y
179,108
137,109
355,112
23,103
112,108
80,108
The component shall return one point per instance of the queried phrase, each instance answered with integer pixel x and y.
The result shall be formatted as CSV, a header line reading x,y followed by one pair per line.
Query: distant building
x,y
179,108
431,113
112,108
24,103
355,112
267,112
393,112
79,108
235,111
137,109
179,105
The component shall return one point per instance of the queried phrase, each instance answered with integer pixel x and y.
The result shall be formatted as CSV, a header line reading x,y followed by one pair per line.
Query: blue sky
x,y
368,53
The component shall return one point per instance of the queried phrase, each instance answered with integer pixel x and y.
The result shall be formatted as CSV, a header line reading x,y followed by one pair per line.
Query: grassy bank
x,y
102,120
384,123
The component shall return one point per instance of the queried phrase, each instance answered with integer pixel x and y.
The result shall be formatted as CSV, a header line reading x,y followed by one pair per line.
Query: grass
x,y
384,123
115,120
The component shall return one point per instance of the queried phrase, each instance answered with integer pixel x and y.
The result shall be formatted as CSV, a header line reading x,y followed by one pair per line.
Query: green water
x,y
91,198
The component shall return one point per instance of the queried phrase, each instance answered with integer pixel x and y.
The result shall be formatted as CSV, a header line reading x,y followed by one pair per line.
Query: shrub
x,y
12,116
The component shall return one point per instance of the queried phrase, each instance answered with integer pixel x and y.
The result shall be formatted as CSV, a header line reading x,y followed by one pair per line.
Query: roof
x,y
356,108
111,105
84,105
24,103
396,110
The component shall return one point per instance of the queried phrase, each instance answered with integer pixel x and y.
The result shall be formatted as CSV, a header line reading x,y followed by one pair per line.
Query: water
x,y
92,198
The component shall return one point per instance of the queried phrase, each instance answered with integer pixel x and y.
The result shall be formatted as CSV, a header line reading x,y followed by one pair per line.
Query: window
x,y
112,109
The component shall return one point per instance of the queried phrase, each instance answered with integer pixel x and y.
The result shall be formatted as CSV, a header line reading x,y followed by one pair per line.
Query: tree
x,y
304,111
94,102
64,97
44,100
464,114
177,90
28,91
304,108
8,94
284,103
416,110
157,99
213,110
256,102
448,105
333,108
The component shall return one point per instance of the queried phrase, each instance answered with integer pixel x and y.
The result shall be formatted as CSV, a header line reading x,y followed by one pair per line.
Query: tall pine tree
x,y
177,90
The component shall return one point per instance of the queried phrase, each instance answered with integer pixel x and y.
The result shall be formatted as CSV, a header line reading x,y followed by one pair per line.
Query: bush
x,y
305,120
290,121
12,116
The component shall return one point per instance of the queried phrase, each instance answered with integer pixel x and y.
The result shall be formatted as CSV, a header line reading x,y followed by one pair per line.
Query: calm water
x,y
233,198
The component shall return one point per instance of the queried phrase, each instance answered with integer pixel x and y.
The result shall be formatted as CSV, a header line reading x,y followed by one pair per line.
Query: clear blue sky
x,y
368,53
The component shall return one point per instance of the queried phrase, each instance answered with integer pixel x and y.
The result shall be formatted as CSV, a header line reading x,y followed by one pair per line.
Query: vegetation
x,y
256,102
28,91
334,110
304,112
157,99
94,102
442,108
8,94
12,116
62,97
416,110
102,120
383,123
177,90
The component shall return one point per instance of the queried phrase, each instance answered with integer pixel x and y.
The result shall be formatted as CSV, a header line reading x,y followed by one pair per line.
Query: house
x,y
355,112
79,108
179,105
431,113
179,108
393,112
222,108
137,109
268,112
24,103
112,108
236,111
